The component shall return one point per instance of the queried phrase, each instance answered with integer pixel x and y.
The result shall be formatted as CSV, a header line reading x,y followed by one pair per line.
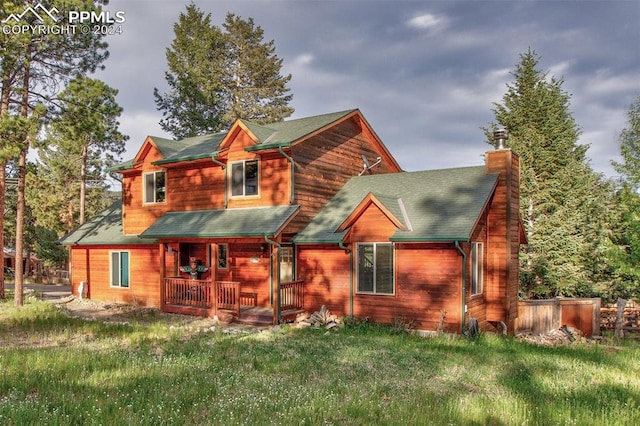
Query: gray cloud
x,y
425,74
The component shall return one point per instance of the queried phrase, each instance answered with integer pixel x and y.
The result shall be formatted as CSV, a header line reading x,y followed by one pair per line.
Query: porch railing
x,y
292,295
202,294
213,295
194,293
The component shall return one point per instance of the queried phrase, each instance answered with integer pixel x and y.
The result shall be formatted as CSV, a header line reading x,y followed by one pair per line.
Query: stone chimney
x,y
503,235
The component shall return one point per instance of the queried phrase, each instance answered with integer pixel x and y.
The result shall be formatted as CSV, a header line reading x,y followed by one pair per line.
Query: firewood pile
x,y
321,318
560,336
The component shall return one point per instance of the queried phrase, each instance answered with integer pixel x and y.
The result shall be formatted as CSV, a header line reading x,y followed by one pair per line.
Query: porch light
x,y
254,259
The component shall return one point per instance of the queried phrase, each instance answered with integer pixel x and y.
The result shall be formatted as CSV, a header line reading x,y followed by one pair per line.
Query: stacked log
x,y
322,318
560,336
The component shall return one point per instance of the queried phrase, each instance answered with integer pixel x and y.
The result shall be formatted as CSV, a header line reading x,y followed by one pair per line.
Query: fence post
x,y
619,332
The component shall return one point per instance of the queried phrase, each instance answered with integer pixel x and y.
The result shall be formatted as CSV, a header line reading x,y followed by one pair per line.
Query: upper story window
x,y
375,268
244,178
477,266
154,187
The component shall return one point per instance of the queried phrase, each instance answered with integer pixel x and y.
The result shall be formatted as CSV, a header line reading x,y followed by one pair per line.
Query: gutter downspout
x,y
347,249
224,167
293,174
464,282
276,244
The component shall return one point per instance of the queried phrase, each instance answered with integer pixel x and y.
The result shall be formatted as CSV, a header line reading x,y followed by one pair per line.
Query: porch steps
x,y
264,316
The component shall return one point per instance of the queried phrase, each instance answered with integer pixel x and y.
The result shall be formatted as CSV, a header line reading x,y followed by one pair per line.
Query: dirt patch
x,y
120,313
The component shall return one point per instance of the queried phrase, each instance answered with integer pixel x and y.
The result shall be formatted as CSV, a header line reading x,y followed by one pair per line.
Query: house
x,y
294,215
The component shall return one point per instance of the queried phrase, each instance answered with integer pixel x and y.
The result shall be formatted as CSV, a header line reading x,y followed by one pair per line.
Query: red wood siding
x,y
427,281
372,226
91,264
327,278
138,216
503,239
326,161
476,304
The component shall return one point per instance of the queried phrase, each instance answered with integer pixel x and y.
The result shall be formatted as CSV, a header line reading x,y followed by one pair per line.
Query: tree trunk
x,y
83,183
4,109
22,177
19,270
3,188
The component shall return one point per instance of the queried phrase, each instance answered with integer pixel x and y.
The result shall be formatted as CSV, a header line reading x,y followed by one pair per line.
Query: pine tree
x,y
257,91
194,104
630,148
624,254
32,65
561,197
219,75
85,135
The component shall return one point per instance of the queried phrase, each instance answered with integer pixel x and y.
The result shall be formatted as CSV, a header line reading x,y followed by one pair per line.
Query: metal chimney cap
x,y
500,137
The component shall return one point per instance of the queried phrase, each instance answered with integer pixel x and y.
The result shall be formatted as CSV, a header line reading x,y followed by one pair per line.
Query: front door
x,y
286,264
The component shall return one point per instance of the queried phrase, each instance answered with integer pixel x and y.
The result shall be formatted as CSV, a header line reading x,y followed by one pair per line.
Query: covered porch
x,y
226,299
233,263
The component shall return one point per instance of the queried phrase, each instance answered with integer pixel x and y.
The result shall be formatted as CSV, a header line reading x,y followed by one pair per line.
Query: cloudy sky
x,y
425,74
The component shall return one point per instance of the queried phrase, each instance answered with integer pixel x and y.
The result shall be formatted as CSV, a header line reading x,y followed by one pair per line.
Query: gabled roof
x,y
434,205
167,148
196,148
103,228
284,133
272,135
237,222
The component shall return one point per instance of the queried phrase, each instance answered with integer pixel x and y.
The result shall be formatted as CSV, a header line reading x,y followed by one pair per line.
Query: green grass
x,y
66,371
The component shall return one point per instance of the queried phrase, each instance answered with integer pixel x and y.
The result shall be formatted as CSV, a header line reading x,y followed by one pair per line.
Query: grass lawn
x,y
69,371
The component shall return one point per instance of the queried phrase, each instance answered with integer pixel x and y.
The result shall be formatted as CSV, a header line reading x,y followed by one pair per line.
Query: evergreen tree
x,y
562,200
219,75
256,90
84,139
624,254
194,103
32,66
630,148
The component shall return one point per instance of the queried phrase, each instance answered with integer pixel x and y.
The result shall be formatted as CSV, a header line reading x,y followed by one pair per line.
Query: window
x,y
154,187
375,268
477,264
286,264
222,256
120,269
244,178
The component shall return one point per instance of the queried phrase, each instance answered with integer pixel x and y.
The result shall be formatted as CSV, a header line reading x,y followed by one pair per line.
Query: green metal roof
x,y
125,165
440,205
283,133
196,148
103,228
238,222
272,135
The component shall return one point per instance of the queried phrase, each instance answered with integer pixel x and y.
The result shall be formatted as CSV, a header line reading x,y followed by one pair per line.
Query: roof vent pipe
x,y
500,137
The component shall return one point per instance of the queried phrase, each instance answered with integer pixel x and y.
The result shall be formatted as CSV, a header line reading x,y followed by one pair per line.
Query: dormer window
x,y
244,178
154,187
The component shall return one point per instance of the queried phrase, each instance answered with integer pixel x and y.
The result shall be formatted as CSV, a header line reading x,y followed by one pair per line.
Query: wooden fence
x,y
629,318
542,316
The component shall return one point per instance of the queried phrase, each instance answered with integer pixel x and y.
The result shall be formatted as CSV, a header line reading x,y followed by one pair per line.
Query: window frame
x,y
119,284
155,187
244,178
477,268
375,291
226,256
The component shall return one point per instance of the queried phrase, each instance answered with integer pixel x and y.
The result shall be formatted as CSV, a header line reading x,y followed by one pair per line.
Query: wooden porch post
x,y
162,275
275,272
